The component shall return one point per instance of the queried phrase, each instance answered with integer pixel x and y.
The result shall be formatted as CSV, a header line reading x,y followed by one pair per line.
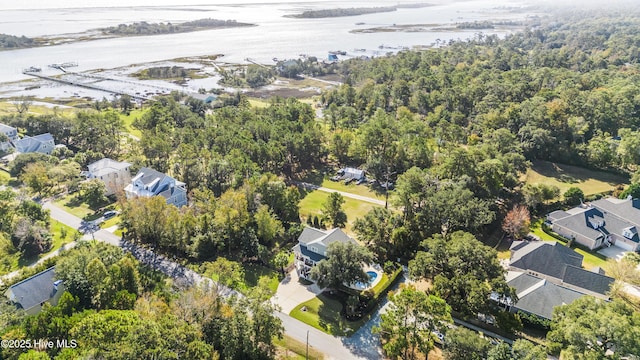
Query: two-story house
x,y
12,135
149,182
42,143
312,247
114,174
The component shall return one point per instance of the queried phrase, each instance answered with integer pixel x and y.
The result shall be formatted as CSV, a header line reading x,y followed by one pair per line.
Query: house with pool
x,y
312,248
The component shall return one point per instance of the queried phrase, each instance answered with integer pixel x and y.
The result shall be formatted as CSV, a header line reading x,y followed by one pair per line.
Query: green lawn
x,y
111,222
82,210
566,176
591,259
322,313
128,120
312,204
57,230
294,349
13,262
352,188
4,177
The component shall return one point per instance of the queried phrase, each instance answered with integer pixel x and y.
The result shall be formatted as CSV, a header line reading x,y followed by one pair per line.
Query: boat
x,y
338,52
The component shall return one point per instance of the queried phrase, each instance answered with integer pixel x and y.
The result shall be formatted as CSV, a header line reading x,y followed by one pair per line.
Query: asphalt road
x,y
337,348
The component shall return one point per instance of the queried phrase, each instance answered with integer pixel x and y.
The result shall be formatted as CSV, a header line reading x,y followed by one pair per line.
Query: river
x,y
274,36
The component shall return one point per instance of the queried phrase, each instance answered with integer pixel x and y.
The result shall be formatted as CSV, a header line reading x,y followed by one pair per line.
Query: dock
x,y
84,85
255,62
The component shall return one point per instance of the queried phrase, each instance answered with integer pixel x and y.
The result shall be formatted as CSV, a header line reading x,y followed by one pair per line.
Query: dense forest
x,y
116,308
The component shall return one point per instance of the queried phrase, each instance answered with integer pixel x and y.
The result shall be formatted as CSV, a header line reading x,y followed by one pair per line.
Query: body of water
x,y
274,36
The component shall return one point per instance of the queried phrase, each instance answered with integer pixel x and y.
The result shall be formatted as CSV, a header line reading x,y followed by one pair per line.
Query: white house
x,y
312,247
149,182
114,174
42,143
11,133
30,294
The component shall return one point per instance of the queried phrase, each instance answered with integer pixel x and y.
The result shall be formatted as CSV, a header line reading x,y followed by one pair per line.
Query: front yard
x,y
325,311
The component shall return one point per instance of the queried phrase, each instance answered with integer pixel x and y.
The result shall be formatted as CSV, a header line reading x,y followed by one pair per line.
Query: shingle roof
x,y
541,300
308,253
310,234
148,175
615,214
6,128
325,237
106,166
587,280
544,257
34,290
31,144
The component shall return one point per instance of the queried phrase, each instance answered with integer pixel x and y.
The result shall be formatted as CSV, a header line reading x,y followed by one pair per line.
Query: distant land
x,y
11,42
340,12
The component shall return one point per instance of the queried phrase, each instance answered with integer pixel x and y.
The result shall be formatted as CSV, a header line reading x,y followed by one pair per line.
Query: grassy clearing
x,y
61,234
294,349
313,202
80,209
352,188
71,204
566,176
258,103
128,121
4,177
590,260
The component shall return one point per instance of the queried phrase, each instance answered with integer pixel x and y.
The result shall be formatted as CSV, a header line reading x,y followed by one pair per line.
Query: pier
x,y
84,85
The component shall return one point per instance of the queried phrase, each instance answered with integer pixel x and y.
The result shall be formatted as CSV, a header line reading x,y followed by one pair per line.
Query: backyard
x,y
591,259
313,203
566,176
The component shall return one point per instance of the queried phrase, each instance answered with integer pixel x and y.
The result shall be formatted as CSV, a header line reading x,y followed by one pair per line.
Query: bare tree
x,y
516,223
23,104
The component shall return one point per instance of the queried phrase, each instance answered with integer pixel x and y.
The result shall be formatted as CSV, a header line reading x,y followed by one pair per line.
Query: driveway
x,y
613,252
291,292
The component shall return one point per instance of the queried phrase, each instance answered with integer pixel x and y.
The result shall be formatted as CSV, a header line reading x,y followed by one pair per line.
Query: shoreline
x,y
99,34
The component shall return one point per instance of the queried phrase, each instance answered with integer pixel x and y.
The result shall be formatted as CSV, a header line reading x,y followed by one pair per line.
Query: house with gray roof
x,y
42,143
12,135
114,174
312,247
548,274
604,222
149,182
31,294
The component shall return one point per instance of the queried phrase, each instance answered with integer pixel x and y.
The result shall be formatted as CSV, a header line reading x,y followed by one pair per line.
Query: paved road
x,y
345,194
333,347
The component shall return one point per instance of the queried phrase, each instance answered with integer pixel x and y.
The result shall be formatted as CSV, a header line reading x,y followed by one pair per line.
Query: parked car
x,y
109,214
438,335
335,178
360,181
387,185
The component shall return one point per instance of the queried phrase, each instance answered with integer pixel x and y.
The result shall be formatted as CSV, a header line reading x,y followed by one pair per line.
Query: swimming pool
x,y
361,286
